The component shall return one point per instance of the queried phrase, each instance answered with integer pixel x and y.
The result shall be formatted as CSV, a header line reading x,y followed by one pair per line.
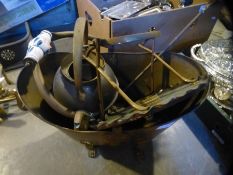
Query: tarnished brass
x,y
116,87
7,94
156,101
79,39
164,103
81,121
80,92
157,57
158,97
149,65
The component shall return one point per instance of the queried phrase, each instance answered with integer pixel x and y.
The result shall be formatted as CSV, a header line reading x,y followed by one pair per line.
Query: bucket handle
x,y
193,52
80,39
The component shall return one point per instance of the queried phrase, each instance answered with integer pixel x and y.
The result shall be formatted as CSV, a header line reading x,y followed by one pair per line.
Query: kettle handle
x,y
80,38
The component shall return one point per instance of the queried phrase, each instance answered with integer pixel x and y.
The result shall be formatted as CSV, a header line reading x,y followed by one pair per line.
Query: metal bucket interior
x,y
125,66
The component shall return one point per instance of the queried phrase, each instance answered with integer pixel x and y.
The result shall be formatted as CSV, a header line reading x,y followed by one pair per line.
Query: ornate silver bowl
x,y
217,58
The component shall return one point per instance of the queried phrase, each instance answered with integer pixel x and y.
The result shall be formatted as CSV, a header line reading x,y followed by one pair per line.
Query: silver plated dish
x,y
217,58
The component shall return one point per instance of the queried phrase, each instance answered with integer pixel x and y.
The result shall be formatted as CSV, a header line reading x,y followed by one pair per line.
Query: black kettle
x,y
75,85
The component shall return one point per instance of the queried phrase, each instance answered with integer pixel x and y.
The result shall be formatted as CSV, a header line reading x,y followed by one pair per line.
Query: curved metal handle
x,y
79,39
193,52
48,96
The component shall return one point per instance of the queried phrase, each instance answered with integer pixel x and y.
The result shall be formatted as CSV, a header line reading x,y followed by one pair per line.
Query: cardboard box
x,y
169,23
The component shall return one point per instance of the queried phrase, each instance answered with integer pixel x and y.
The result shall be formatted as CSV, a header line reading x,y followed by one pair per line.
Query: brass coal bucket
x,y
181,97
153,91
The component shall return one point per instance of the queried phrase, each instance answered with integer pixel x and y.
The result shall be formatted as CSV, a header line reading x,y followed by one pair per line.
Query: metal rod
x,y
9,82
152,68
138,76
117,88
170,44
99,87
201,11
168,66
